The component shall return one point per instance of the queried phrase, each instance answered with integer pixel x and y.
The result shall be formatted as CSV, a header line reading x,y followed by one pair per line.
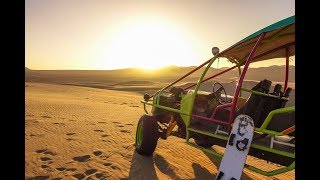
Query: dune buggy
x,y
207,116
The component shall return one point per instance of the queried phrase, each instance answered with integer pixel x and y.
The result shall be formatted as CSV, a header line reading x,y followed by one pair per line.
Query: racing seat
x,y
258,107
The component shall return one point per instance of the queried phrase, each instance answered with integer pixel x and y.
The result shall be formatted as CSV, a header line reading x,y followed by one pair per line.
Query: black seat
x,y
258,107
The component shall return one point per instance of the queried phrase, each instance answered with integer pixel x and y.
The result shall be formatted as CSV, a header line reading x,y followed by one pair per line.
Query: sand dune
x,y
77,132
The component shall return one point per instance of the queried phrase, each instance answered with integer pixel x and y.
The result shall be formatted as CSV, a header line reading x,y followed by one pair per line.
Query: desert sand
x,y
74,132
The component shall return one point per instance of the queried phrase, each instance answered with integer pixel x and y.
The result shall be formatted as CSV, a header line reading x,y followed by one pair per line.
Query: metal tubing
x,y
184,76
212,77
209,119
220,107
236,93
287,70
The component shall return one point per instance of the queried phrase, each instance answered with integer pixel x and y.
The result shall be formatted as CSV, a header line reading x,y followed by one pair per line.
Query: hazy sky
x,y
112,34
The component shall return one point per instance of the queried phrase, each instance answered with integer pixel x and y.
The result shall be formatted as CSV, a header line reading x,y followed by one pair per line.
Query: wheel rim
x,y
139,134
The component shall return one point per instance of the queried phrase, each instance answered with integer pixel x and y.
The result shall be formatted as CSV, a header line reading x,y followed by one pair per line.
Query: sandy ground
x,y
86,133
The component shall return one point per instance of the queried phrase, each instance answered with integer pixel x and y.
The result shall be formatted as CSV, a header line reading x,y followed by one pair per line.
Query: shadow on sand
x,y
164,166
142,167
202,173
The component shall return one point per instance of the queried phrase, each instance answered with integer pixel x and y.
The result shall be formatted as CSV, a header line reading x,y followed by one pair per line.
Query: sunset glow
x,y
146,44
109,34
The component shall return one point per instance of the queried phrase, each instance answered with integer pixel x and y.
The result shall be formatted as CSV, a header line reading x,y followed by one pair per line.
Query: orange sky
x,y
105,34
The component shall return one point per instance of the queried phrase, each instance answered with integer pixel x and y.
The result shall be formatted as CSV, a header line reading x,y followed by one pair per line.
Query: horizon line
x,y
137,68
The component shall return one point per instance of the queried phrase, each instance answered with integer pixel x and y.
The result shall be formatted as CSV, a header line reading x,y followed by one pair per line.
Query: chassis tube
x,y
236,93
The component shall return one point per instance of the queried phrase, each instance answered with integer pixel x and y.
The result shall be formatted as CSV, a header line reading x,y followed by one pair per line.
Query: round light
x,y
215,50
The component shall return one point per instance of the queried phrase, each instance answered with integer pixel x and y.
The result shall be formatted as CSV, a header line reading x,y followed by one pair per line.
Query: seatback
x,y
258,107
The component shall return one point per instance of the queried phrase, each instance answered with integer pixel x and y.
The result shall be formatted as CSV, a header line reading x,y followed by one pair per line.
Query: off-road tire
x,y
147,135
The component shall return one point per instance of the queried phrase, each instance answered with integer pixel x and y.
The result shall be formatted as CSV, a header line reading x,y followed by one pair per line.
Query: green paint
x,y
271,173
274,112
282,153
165,108
208,134
262,94
186,106
139,134
187,100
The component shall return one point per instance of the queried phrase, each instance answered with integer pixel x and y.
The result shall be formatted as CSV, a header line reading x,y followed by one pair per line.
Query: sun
x,y
146,44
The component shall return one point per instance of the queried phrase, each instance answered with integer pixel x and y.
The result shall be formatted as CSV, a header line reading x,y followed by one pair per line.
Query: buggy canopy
x,y
279,40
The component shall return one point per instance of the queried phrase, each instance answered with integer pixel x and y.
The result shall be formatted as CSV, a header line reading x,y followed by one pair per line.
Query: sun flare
x,y
147,45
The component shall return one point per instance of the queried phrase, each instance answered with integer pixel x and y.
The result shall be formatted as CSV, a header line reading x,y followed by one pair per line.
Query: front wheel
x,y
147,135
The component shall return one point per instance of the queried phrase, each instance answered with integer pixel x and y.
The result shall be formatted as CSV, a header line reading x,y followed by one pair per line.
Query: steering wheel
x,y
219,89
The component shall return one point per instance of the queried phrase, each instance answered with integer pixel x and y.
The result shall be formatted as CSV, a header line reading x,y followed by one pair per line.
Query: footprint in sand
x,y
56,123
125,131
82,158
100,175
61,168
79,176
90,171
49,152
44,166
115,122
120,126
129,124
37,135
104,157
101,122
70,134
71,169
45,116
97,153
107,164
105,135
115,167
98,130
45,159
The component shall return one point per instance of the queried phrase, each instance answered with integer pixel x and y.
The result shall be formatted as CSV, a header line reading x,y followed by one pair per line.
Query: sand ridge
x,y
77,132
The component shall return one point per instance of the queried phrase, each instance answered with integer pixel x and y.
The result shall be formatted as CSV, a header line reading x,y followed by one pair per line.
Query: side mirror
x,y
215,50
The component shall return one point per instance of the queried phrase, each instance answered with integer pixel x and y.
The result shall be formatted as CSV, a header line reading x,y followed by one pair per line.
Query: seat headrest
x,y
263,86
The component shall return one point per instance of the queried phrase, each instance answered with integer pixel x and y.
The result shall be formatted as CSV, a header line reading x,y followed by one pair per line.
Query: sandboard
x,y
237,148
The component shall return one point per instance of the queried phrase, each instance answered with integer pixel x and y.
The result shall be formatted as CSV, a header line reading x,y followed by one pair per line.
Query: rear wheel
x,y
147,135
